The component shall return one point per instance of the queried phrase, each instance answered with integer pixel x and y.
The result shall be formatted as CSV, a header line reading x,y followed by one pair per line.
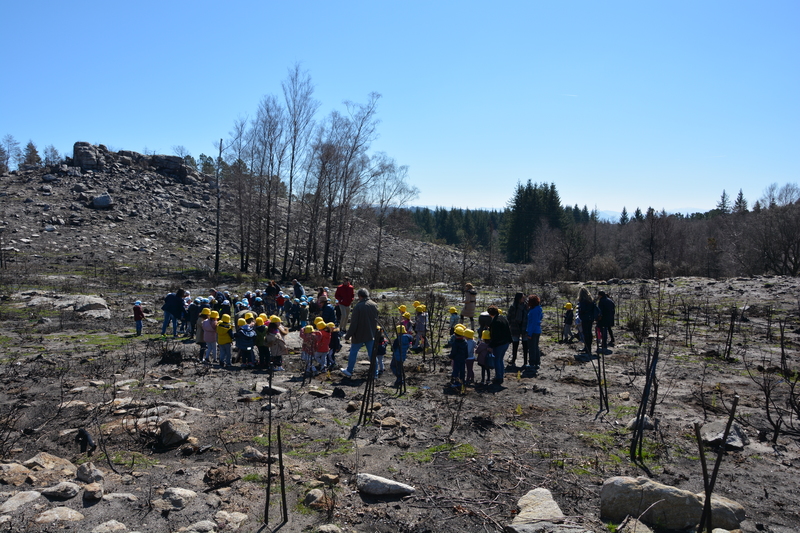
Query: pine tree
x,y
740,205
31,155
724,204
624,218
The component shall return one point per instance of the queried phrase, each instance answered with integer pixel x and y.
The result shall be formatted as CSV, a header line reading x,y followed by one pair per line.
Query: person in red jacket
x,y
344,295
138,316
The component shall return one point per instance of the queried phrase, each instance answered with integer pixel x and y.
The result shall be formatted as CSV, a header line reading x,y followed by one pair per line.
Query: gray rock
x,y
13,474
203,526
648,424
63,491
47,178
190,205
329,528
320,393
252,454
110,527
178,497
632,525
381,486
88,473
713,432
59,514
120,496
102,201
263,387
18,500
174,432
229,521
314,497
680,509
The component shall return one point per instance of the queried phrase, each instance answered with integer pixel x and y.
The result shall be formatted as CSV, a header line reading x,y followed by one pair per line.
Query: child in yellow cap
x,y
482,353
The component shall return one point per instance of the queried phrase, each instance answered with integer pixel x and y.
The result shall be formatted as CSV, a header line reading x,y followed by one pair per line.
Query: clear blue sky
x,y
618,103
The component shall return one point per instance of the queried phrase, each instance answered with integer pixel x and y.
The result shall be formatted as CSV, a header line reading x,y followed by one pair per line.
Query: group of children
x,y
321,343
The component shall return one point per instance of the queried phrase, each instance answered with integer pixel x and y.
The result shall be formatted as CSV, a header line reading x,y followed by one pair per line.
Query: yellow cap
x,y
567,306
248,316
318,320
226,318
459,330
264,317
400,329
241,322
402,309
214,314
308,329
486,335
332,325
321,325
259,321
416,304
406,315
275,319
468,333
452,310
205,311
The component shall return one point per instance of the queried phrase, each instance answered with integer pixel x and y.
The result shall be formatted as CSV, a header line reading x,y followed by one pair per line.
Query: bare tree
x,y
390,190
51,155
12,151
300,110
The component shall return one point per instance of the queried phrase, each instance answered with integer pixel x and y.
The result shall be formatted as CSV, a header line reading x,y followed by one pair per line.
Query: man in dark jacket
x,y
607,310
363,324
518,322
173,309
501,339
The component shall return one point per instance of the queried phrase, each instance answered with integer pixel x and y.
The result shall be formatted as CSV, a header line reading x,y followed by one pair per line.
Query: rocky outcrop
x,y
88,157
381,486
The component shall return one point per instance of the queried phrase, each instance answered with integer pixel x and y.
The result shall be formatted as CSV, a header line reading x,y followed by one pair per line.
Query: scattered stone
x,y
263,387
713,432
102,201
229,521
268,407
93,492
97,383
110,527
46,461
338,392
13,474
63,491
174,432
680,509
390,422
252,454
624,396
59,514
321,393
314,498
381,486
204,526
120,496
18,500
329,479
648,423
88,473
329,528
177,497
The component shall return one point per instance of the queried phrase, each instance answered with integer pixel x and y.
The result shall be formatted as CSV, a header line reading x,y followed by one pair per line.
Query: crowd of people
x,y
258,322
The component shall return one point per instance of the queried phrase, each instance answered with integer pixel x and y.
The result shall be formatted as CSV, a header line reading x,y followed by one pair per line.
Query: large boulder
x,y
102,201
663,506
713,432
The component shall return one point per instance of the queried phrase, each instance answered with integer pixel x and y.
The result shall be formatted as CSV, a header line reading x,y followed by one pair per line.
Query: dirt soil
x,y
470,456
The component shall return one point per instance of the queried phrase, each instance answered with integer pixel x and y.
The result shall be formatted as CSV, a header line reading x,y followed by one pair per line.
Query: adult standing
x,y
586,312
173,309
344,296
499,342
270,295
299,290
470,301
363,325
534,329
518,321
607,310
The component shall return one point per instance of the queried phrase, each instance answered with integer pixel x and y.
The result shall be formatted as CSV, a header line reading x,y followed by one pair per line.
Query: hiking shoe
x,y
346,372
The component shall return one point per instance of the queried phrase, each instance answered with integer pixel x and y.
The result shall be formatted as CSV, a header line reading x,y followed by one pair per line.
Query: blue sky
x,y
618,103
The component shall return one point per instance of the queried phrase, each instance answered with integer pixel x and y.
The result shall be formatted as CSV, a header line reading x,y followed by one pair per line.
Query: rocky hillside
x,y
143,212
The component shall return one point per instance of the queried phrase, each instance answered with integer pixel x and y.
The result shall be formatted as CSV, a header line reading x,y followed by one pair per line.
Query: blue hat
x,y
137,302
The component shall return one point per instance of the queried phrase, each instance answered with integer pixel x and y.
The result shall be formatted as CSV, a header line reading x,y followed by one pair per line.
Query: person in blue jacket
x,y
534,330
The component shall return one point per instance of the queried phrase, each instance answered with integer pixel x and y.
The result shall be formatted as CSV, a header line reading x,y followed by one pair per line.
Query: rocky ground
x,y
470,458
